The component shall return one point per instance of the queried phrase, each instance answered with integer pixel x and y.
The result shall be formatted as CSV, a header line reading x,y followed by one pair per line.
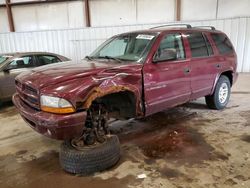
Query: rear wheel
x,y
96,150
219,99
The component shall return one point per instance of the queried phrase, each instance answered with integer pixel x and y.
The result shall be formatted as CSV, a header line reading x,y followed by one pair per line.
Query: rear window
x,y
222,42
198,45
47,59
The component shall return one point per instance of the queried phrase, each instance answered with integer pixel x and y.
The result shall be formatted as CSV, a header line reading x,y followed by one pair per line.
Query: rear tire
x,y
90,159
219,99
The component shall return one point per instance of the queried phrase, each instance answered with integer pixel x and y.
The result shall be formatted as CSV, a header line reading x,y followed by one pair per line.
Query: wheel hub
x,y
223,93
96,128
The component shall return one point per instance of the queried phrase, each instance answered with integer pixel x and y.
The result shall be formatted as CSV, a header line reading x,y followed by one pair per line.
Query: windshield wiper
x,y
88,58
110,57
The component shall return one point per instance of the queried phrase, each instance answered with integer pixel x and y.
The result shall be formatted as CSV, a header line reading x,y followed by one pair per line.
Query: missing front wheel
x,y
96,127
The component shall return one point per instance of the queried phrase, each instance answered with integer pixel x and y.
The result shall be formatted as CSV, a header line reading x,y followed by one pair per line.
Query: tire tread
x,y
92,159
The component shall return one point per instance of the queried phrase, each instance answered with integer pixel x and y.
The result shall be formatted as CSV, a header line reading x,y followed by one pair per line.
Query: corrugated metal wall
x,y
76,43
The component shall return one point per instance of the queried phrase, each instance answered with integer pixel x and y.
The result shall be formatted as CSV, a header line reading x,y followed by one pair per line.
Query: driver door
x,y
167,78
14,68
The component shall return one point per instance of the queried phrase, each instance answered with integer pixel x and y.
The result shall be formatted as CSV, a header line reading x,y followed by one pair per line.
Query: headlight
x,y
56,105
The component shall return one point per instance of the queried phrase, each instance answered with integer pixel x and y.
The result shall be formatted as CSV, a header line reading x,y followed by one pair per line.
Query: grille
x,y
28,94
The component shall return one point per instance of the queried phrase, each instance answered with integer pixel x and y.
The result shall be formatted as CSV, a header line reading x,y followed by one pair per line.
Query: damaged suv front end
x,y
54,100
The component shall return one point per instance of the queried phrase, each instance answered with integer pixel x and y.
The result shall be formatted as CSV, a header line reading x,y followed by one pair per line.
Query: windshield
x,y
3,59
130,47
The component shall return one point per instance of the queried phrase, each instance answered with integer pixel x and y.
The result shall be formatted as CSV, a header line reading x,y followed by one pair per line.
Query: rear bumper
x,y
61,127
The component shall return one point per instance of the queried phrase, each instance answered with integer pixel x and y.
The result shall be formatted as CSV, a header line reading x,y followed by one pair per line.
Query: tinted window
x,y
47,59
222,42
172,42
197,45
209,47
22,62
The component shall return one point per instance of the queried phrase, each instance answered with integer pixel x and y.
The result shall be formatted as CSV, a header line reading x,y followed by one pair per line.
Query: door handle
x,y
187,71
217,65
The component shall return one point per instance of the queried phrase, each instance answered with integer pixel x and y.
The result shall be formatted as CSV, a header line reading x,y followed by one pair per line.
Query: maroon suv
x,y
131,75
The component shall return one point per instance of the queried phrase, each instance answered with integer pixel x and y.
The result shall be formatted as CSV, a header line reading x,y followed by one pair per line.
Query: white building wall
x,y
112,12
63,19
198,9
233,8
71,14
4,25
149,11
77,43
124,12
45,16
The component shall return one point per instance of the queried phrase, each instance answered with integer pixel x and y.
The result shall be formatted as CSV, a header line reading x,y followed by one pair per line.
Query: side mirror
x,y
8,68
165,55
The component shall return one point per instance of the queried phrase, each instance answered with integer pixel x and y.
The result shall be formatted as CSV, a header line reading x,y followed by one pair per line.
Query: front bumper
x,y
61,127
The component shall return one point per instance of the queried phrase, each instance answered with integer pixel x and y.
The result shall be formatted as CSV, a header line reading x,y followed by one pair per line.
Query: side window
x,y
22,62
171,47
197,45
209,47
47,59
222,42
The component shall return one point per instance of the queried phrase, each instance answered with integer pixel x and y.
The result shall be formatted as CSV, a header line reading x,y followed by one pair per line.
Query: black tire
x,y
213,101
91,159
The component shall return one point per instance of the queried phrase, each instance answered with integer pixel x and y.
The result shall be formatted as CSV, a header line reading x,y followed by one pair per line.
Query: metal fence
x,y
77,43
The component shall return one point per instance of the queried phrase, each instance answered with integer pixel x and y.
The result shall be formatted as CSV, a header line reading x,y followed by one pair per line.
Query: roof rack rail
x,y
211,27
187,25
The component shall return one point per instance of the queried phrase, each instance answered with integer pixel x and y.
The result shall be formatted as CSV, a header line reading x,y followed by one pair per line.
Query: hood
x,y
61,72
73,81
64,72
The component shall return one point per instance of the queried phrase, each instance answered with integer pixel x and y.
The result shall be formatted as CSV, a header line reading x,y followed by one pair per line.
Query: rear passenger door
x,y
202,64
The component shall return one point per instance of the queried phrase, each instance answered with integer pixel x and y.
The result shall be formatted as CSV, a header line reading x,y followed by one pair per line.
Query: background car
x,y
12,64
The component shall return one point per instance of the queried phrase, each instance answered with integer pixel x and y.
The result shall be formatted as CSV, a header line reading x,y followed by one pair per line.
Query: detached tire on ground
x,y
90,159
219,99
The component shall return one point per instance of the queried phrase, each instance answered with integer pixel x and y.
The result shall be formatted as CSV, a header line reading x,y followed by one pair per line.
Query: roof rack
x,y
187,25
211,27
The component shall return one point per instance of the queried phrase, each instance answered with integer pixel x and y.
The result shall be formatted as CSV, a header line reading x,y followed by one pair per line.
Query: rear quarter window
x,y
197,45
209,47
222,42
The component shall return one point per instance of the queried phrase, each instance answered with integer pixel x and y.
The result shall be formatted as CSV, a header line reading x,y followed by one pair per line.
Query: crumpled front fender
x,y
114,84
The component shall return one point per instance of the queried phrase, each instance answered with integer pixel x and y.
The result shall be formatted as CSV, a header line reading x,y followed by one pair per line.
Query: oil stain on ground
x,y
45,171
180,144
168,135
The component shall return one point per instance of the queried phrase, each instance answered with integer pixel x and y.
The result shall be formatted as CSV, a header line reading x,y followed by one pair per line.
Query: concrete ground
x,y
188,146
